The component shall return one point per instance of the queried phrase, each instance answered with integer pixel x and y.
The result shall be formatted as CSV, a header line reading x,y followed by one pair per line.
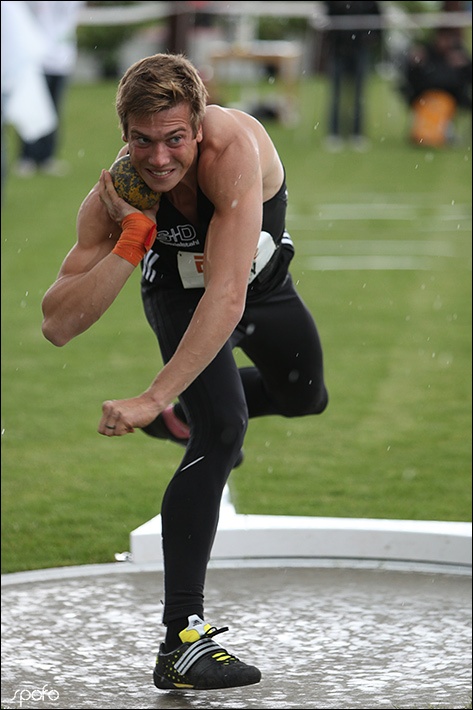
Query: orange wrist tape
x,y
136,239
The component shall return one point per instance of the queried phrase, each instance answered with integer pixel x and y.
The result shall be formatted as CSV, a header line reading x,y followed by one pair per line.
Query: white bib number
x,y
191,265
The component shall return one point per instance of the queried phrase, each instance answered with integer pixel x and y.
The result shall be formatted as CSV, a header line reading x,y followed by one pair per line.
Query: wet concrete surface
x,y
323,637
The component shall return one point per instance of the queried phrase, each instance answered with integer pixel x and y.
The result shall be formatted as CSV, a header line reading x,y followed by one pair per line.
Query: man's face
x,y
163,146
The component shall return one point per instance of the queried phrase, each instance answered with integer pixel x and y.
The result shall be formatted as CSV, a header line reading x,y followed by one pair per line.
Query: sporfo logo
x,y
36,695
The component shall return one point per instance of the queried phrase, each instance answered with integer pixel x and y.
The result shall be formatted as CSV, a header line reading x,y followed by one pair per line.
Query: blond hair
x,y
157,83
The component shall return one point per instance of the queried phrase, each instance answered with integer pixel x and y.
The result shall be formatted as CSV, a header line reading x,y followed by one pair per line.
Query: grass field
x,y
383,260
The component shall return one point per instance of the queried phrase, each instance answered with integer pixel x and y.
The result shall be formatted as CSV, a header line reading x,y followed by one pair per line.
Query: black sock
x,y
172,640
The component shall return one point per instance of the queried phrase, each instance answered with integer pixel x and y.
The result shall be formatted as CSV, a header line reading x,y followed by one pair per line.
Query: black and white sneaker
x,y
200,663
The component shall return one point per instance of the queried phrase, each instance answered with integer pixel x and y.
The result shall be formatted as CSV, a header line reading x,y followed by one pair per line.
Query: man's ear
x,y
123,151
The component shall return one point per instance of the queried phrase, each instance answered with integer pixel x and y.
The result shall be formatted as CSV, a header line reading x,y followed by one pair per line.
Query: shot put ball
x,y
130,186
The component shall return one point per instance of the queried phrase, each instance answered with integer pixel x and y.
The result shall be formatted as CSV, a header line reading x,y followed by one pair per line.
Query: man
x,y
215,276
57,21
436,82
349,53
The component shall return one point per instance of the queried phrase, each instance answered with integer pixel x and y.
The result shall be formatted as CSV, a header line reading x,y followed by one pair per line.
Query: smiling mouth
x,y
160,173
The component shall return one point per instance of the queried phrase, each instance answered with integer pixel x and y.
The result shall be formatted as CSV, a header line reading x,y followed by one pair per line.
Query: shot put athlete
x,y
214,276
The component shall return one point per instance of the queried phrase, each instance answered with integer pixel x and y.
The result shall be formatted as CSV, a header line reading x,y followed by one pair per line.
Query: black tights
x,y
280,337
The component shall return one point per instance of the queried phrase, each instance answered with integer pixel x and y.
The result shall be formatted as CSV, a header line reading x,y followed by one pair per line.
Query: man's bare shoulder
x,y
227,124
215,112
236,136
228,127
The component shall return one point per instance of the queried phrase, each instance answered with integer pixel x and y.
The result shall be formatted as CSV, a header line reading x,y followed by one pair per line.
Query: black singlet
x,y
176,258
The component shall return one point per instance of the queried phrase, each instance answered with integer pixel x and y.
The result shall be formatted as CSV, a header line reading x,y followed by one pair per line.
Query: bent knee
x,y
227,430
232,432
310,403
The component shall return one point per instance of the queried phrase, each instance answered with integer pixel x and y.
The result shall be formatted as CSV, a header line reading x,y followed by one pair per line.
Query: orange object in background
x,y
432,113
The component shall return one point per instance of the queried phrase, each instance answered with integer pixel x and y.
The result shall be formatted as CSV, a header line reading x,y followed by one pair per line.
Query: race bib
x,y
191,265
191,269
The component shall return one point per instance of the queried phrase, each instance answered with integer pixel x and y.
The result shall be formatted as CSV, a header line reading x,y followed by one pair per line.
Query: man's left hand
x,y
121,416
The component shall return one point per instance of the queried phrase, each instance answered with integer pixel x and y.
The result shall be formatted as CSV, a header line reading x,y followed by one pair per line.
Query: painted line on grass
x,y
368,263
377,255
376,247
381,211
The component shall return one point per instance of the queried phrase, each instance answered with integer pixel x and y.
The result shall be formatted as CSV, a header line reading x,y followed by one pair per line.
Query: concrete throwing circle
x,y
324,637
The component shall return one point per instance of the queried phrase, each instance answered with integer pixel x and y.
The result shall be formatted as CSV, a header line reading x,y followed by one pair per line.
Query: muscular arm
x,y
91,276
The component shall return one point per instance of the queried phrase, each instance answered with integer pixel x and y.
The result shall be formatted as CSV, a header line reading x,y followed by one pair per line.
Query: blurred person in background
x,y
58,23
26,101
436,81
349,55
214,255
